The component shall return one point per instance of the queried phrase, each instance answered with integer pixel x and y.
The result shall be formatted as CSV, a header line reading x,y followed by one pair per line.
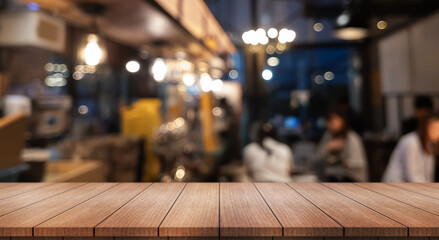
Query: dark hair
x,y
265,130
423,101
423,131
343,115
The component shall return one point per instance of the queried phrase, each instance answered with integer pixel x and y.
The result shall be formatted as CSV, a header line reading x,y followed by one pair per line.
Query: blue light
x,y
33,6
291,122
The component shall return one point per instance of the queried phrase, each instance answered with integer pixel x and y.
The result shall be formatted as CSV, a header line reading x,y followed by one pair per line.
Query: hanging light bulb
x,y
92,52
159,69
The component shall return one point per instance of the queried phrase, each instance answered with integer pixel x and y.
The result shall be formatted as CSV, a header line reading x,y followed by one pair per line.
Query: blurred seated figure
x,y
267,159
423,107
341,152
413,158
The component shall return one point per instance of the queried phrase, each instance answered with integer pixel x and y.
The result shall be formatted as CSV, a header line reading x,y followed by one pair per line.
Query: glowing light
x,y
281,46
217,85
49,67
188,79
318,27
260,32
78,75
206,82
82,109
329,75
233,74
132,66
263,40
159,69
270,49
179,174
273,61
179,122
92,52
381,25
216,111
261,36
246,37
267,74
283,35
291,35
33,6
343,19
272,33
319,79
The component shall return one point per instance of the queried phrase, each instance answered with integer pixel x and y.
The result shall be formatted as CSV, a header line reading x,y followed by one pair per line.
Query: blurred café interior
x,y
219,90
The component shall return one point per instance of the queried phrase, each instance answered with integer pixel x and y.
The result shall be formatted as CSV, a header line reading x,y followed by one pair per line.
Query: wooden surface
x,y
208,211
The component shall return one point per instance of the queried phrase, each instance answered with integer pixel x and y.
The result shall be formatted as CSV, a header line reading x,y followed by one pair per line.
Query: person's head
x,y
336,123
423,106
266,130
428,131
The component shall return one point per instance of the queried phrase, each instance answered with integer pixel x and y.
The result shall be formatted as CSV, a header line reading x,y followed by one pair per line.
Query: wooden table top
x,y
220,210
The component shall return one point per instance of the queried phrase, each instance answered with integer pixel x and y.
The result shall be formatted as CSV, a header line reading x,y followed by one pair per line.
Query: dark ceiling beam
x,y
379,8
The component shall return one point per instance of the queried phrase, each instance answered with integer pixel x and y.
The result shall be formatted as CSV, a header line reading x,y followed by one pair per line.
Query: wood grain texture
x,y
140,238
420,188
298,238
195,213
9,190
357,219
355,238
142,215
30,197
243,212
418,200
81,220
36,238
21,222
88,238
296,214
419,222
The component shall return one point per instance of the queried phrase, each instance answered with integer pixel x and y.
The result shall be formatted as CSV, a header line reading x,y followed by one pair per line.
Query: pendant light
x,y
92,51
352,24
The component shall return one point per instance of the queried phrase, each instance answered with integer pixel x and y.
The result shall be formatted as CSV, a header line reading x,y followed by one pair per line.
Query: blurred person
x,y
423,107
413,158
340,152
353,118
267,159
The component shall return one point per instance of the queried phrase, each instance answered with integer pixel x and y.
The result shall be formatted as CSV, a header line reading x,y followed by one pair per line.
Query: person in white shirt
x,y
340,152
268,160
413,158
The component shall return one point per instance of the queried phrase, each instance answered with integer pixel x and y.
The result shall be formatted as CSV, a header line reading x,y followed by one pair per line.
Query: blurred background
x,y
219,90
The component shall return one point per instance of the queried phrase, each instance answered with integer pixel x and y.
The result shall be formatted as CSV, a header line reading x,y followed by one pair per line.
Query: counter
x,y
219,210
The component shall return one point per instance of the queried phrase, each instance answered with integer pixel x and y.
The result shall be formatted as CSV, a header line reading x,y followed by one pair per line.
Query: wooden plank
x,y
195,213
140,238
21,222
420,188
88,238
406,238
296,214
419,222
81,220
243,212
420,201
354,238
298,238
7,184
142,215
357,219
36,238
22,200
13,190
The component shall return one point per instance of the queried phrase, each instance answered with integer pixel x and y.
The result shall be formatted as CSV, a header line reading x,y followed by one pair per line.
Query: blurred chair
x,y
12,141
